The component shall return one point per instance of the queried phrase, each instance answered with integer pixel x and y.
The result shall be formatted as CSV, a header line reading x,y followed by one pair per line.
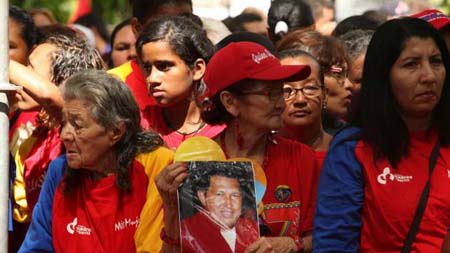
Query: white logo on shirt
x,y
127,222
73,227
448,171
387,175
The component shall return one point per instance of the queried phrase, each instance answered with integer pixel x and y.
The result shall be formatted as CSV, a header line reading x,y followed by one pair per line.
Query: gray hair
x,y
110,102
356,42
73,55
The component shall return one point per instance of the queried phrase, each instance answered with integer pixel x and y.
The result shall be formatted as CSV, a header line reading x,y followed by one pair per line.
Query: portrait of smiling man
x,y
218,207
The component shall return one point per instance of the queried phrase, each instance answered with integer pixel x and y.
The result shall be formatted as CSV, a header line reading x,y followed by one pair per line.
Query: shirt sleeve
x,y
147,237
337,221
39,235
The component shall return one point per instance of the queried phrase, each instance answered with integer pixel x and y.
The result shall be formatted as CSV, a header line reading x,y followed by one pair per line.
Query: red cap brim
x,y
283,72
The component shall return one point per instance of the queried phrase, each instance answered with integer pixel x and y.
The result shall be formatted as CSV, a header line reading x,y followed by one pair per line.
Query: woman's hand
x,y
168,181
272,245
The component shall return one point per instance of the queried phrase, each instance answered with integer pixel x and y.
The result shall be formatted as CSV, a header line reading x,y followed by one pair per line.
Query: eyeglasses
x,y
273,95
309,91
339,73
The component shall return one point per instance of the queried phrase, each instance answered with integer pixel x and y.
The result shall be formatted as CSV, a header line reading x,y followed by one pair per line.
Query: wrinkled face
x,y
303,108
339,92
18,49
355,73
40,60
123,49
169,79
417,78
87,143
223,200
261,105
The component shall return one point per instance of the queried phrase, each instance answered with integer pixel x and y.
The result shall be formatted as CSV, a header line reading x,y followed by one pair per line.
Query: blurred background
x,y
113,11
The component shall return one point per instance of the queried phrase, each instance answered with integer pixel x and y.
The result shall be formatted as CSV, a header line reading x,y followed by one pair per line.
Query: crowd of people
x,y
349,121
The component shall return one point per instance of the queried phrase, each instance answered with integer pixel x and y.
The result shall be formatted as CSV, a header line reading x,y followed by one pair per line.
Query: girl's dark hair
x,y
295,13
110,101
28,29
379,118
187,39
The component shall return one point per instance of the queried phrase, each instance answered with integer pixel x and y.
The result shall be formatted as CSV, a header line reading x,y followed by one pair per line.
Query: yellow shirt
x,y
147,237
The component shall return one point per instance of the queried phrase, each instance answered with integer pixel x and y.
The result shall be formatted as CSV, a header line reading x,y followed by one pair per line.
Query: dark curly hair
x,y
200,174
72,56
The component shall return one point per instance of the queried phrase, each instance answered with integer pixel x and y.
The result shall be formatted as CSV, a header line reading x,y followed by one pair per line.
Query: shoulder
x,y
155,160
346,136
57,167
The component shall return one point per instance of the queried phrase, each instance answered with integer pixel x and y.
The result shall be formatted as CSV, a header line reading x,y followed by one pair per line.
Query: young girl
x,y
173,52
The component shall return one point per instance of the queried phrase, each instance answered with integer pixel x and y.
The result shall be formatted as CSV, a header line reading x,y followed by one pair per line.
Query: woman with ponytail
x,y
288,15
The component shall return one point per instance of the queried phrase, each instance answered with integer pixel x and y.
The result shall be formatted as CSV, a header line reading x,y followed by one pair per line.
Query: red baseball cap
x,y
436,18
247,60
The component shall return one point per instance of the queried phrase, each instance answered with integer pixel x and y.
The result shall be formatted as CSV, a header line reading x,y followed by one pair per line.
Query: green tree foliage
x,y
112,11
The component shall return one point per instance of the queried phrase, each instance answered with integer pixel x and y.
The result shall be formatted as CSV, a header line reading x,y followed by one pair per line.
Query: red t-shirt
x,y
97,216
320,156
391,196
152,117
292,176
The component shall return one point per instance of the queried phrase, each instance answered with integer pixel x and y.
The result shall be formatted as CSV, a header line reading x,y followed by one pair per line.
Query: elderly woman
x,y
93,195
333,60
397,153
305,100
243,88
35,144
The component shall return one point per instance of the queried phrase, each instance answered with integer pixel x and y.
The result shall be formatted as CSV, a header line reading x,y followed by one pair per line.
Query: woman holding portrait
x,y
243,89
